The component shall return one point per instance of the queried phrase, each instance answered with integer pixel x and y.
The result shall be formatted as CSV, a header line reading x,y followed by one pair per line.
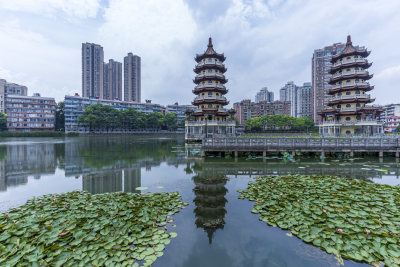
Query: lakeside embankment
x,y
63,134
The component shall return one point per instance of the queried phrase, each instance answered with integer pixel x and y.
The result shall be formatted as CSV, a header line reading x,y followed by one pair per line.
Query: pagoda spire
x,y
210,42
349,40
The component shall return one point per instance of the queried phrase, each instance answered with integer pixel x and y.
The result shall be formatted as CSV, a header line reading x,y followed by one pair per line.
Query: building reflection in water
x,y
210,200
17,162
126,180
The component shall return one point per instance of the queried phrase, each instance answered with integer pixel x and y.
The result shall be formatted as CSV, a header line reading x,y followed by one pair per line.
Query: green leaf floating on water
x,y
353,219
142,188
95,230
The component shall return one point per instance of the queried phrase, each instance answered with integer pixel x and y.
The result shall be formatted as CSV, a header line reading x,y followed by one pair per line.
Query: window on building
x,y
348,105
210,105
358,105
348,118
348,93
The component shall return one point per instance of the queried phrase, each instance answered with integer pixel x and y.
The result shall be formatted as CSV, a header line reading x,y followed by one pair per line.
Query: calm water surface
x,y
216,229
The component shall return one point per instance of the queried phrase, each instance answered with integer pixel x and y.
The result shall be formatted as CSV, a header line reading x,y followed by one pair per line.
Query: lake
x,y
216,228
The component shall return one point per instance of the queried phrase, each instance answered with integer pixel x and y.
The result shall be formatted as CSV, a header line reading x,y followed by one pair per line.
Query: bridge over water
x,y
378,145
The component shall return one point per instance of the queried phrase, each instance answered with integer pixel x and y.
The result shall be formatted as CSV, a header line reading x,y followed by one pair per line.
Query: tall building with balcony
x,y
288,93
391,123
348,112
76,105
30,113
264,95
112,80
390,111
304,100
7,88
210,118
179,110
246,110
92,70
321,64
132,78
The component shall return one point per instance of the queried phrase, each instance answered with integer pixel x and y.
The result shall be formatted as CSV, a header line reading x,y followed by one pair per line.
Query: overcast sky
x,y
267,43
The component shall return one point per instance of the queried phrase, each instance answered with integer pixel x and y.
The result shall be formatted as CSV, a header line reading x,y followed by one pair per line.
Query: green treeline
x,y
279,122
101,117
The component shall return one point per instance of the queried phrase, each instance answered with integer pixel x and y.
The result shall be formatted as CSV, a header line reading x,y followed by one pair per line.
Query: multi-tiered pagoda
x,y
210,118
349,112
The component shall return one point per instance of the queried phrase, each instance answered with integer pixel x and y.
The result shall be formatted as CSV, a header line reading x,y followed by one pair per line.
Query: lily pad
x,y
142,188
351,218
95,230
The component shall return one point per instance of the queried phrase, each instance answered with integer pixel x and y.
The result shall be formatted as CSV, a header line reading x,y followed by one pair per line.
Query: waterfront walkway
x,y
322,145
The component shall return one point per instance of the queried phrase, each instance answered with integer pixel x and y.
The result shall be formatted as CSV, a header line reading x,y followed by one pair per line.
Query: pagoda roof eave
x,y
364,65
350,50
364,88
353,100
199,57
363,53
365,76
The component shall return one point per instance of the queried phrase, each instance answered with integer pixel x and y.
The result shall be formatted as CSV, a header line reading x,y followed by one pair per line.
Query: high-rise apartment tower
x,y
132,78
304,100
321,64
92,70
288,93
113,80
264,95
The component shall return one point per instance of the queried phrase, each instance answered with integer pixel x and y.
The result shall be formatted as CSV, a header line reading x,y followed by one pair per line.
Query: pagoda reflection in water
x,y
210,201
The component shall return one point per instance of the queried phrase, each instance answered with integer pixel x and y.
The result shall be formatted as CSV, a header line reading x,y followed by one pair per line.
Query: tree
x,y
102,117
60,116
282,122
398,129
171,121
154,120
3,121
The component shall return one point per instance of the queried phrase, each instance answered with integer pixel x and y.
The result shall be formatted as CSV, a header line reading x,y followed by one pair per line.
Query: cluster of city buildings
x,y
104,80
293,101
335,99
26,113
102,84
